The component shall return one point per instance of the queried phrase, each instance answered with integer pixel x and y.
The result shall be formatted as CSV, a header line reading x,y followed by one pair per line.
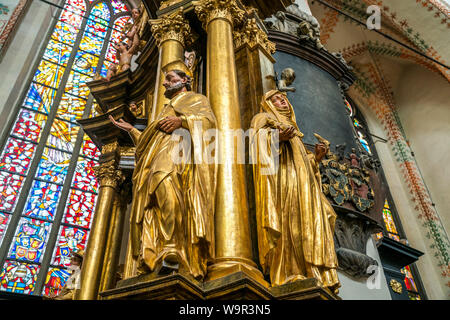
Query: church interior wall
x,y
20,58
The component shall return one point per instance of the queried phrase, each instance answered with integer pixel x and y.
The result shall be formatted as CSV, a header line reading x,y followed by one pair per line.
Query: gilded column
x,y
110,177
172,33
114,242
233,243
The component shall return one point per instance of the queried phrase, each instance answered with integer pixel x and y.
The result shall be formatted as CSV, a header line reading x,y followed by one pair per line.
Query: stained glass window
x,y
410,283
46,146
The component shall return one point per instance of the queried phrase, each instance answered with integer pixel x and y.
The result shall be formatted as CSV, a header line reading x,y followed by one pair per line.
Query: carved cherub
x,y
310,31
287,78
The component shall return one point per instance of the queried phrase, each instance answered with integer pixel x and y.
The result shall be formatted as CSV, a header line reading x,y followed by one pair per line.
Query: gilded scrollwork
x,y
172,27
109,174
208,10
252,35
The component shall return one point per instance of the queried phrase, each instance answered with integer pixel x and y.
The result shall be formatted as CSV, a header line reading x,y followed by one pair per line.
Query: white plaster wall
x,y
372,288
19,60
427,265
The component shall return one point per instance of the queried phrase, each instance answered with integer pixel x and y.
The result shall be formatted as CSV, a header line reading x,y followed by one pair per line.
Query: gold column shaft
x,y
113,245
169,51
93,259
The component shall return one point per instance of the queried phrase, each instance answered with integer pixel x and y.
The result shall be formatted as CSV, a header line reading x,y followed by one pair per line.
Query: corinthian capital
x,y
208,10
252,35
109,175
172,27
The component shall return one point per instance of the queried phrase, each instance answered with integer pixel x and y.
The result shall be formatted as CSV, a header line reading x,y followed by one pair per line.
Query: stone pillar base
x,y
236,286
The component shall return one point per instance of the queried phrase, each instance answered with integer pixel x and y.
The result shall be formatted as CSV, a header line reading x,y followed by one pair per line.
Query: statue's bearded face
x,y
279,101
174,84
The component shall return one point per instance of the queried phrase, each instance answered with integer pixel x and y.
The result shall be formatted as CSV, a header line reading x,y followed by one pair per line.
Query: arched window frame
x,y
45,265
412,280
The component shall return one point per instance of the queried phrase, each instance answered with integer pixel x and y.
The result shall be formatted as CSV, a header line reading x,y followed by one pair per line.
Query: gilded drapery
x,y
295,221
173,203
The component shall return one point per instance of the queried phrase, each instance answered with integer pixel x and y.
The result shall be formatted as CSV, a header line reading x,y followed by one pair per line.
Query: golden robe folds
x,y
173,203
295,221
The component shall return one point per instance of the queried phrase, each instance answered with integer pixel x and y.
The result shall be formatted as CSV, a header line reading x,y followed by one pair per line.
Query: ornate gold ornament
x,y
109,175
168,3
252,35
396,286
110,147
172,27
208,10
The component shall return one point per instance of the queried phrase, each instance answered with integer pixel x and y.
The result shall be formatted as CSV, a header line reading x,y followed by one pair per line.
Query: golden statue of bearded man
x,y
295,221
172,212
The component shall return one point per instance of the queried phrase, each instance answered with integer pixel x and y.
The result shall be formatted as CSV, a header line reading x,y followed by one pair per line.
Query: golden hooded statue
x,y
295,221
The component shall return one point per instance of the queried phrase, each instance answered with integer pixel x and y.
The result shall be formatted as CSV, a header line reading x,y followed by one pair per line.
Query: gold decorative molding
x,y
252,35
109,175
396,286
110,147
172,27
168,3
208,10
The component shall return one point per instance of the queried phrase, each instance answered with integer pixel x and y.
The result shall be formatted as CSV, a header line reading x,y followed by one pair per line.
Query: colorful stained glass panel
x,y
30,239
65,33
53,166
91,43
388,219
72,16
29,125
57,52
105,67
85,178
409,279
69,239
49,74
89,149
4,220
71,108
63,135
42,200
76,84
10,185
101,12
118,6
39,98
97,27
85,63
80,208
18,277
17,156
55,280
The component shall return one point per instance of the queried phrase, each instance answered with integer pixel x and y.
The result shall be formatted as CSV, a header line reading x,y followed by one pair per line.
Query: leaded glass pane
x,y
55,280
69,239
10,185
39,98
30,240
63,135
53,166
57,52
49,74
89,149
42,200
29,125
85,178
91,43
17,156
18,277
4,220
65,33
80,208
118,6
76,84
85,63
71,108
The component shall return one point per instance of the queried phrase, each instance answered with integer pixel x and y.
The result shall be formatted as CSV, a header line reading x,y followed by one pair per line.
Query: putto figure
x,y
173,203
295,221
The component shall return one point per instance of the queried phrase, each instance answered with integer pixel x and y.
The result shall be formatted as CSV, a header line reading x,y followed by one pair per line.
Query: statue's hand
x,y
121,124
287,134
170,124
320,150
